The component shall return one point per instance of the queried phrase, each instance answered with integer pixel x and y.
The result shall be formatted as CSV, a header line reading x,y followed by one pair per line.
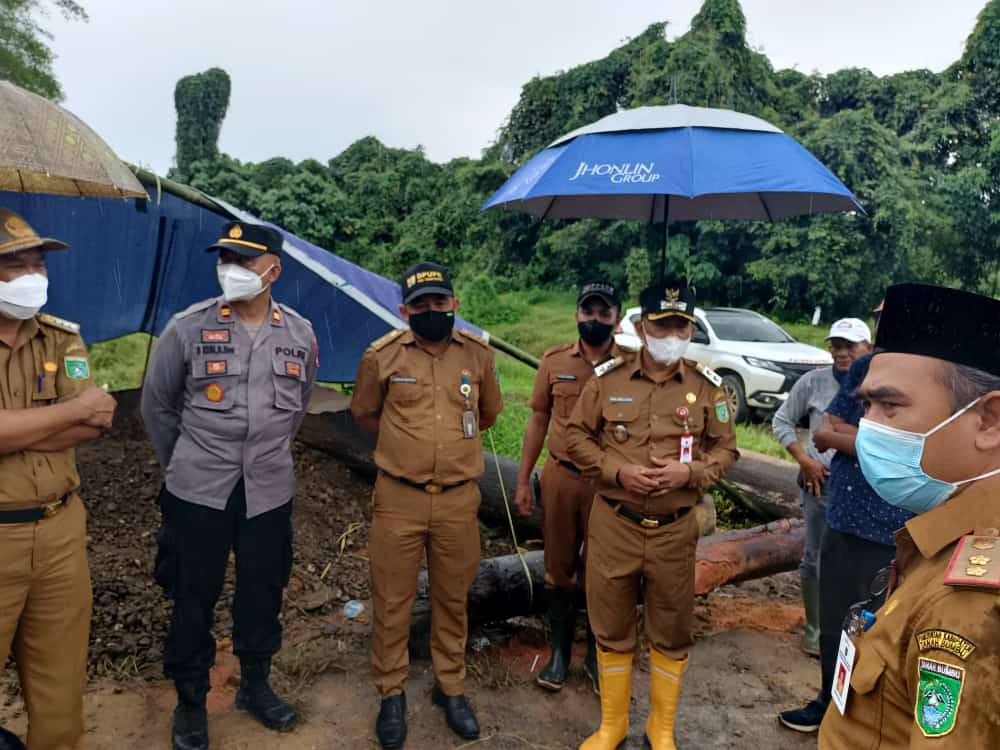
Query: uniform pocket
x,y
621,419
564,396
288,378
866,674
215,378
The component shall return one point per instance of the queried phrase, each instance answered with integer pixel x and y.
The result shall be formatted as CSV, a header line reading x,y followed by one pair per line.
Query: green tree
x,y
201,101
25,55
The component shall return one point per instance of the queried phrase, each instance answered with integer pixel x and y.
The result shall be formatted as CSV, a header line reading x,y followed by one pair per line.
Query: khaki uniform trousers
x,y
624,559
566,501
406,523
45,604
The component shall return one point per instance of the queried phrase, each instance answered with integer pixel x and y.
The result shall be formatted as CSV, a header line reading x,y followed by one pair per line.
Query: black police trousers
x,y
847,567
193,551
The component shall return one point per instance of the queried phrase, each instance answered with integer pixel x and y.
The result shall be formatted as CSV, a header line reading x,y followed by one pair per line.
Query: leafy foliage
x,y
921,149
25,56
201,101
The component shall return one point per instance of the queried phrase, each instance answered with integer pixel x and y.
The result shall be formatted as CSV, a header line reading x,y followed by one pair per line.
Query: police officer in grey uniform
x,y
225,392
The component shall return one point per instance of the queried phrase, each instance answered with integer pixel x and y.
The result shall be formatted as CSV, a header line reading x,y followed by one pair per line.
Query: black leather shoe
x,y
9,741
190,730
256,697
459,714
390,726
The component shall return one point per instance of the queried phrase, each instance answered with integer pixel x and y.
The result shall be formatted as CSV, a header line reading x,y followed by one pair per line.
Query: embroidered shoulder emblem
x,y
945,640
63,325
709,374
380,343
939,696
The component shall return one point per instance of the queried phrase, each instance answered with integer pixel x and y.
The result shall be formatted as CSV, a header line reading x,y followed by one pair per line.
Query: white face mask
x,y
21,298
667,350
240,284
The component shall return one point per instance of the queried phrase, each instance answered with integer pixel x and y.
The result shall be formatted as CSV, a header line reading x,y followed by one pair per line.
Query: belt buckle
x,y
649,523
432,489
50,509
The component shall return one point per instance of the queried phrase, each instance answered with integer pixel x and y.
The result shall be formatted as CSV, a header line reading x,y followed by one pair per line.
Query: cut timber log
x,y
764,484
500,590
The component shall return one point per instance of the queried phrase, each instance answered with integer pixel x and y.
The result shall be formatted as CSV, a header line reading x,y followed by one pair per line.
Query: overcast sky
x,y
312,76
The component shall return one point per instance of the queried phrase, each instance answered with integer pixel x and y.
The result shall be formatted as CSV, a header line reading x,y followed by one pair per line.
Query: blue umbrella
x,y
671,163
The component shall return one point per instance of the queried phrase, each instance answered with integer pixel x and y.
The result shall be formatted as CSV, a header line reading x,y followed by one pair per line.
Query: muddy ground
x,y
746,666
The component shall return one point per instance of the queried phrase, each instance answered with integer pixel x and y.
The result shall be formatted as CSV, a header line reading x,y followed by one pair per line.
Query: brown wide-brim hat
x,y
16,235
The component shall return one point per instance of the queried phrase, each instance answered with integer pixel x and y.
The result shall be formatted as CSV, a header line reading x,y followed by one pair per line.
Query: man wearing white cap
x,y
849,339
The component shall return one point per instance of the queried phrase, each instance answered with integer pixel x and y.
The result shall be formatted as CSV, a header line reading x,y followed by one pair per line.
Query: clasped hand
x,y
667,475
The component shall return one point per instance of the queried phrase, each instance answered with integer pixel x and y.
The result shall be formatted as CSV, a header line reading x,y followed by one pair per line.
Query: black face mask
x,y
432,325
594,332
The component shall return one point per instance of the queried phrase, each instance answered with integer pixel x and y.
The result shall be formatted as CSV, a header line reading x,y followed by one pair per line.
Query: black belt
x,y
30,515
647,522
570,467
431,488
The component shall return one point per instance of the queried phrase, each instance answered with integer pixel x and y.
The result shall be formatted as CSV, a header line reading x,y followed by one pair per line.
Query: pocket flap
x,y
215,366
289,367
616,409
865,676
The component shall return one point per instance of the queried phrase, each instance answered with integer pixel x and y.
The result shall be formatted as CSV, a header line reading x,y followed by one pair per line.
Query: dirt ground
x,y
745,668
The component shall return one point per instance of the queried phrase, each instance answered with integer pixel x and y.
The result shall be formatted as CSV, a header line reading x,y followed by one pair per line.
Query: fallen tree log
x,y
501,591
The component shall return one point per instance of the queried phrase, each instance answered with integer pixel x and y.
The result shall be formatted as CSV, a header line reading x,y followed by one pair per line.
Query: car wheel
x,y
732,386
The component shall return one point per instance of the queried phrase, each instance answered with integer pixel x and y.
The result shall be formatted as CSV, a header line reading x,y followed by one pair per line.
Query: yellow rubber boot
x,y
616,689
666,689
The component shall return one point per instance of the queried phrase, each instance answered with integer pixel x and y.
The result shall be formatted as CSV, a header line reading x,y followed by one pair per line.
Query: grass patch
x,y
119,362
759,438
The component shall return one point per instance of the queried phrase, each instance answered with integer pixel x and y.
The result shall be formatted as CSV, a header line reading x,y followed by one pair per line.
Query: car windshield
x,y
740,325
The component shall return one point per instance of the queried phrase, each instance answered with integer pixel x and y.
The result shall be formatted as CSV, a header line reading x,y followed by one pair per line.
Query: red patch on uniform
x,y
225,312
216,368
215,337
276,317
293,368
214,392
317,353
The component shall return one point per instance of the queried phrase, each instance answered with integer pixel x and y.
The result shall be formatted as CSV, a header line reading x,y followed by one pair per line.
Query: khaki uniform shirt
x,y
562,374
927,673
417,399
31,478
624,417
220,406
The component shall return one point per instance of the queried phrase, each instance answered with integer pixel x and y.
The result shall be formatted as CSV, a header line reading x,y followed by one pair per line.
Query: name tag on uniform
x,y
402,379
620,399
846,654
565,377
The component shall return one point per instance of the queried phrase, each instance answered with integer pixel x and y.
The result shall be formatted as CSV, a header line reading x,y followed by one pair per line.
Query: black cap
x,y
248,240
426,278
663,301
948,324
600,288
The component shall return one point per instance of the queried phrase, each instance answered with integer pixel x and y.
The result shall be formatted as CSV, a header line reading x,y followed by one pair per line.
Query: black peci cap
x,y
248,240
663,301
426,278
949,324
599,288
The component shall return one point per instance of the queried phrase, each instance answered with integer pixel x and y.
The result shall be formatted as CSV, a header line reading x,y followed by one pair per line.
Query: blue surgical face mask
x,y
890,459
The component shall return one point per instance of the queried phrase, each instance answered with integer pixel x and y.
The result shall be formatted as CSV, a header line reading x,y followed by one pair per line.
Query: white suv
x,y
758,360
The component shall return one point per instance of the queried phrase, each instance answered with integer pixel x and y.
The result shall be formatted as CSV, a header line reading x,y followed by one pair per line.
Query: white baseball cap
x,y
854,330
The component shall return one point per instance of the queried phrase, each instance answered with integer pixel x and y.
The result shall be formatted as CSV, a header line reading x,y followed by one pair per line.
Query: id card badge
x,y
468,424
687,449
847,653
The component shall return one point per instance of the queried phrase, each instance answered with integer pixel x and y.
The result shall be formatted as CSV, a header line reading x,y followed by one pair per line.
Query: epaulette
x,y
976,562
63,325
380,343
197,307
604,368
481,340
556,349
709,374
628,349
294,313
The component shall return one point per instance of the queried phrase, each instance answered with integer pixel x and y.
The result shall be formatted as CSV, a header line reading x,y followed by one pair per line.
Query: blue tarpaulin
x,y
133,264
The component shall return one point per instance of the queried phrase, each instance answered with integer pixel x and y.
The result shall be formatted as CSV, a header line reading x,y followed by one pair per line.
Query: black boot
x,y
590,663
390,727
190,730
458,713
256,697
9,741
562,621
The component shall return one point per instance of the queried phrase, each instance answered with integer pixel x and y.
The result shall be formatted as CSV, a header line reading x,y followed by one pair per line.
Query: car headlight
x,y
764,364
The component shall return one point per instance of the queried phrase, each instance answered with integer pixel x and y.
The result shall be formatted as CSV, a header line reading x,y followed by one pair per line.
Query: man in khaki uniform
x,y
428,392
48,406
926,672
654,431
566,496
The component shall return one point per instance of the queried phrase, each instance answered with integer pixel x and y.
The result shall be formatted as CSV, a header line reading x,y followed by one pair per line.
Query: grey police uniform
x,y
221,409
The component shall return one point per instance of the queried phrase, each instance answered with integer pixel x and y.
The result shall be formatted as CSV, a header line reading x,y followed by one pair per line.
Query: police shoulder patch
x,y
482,341
63,325
939,696
197,307
610,366
381,343
709,374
